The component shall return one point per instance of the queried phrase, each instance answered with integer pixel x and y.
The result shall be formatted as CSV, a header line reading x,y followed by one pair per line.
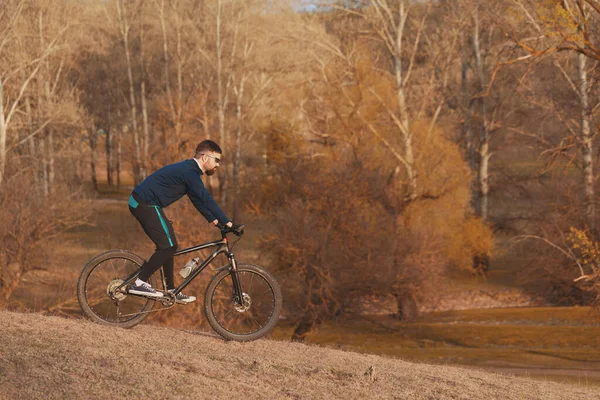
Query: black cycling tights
x,y
162,257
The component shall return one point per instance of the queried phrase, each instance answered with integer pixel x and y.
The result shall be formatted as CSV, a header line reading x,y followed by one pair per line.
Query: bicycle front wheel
x,y
262,302
98,295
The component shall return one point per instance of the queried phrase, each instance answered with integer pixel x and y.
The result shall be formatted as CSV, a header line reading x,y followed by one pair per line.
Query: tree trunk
x,y
45,78
44,164
93,138
108,143
484,136
30,141
109,156
51,173
118,159
406,306
469,138
220,96
221,103
175,107
178,125
206,128
138,170
238,153
163,25
2,134
484,174
411,193
304,327
205,119
146,138
587,143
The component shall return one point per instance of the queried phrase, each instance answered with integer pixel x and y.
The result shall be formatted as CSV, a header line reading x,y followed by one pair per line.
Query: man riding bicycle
x,y
158,191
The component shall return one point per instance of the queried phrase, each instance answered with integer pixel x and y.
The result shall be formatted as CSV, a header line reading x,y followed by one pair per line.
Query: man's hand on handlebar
x,y
236,229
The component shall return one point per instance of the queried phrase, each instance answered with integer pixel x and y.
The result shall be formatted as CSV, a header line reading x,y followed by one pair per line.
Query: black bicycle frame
x,y
222,246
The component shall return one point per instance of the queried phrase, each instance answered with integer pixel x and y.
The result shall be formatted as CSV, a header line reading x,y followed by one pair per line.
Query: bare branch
x,y
557,247
32,134
391,113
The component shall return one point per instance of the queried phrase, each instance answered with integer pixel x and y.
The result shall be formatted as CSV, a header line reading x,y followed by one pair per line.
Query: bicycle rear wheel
x,y
261,308
97,294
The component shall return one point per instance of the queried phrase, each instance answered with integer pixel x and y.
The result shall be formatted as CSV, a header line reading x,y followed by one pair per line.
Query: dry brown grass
x,y
52,357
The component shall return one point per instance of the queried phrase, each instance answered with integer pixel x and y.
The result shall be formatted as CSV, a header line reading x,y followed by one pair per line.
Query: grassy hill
x,y
53,357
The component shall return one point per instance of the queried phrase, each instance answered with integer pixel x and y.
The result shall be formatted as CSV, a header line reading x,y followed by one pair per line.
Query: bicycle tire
x,y
82,283
274,309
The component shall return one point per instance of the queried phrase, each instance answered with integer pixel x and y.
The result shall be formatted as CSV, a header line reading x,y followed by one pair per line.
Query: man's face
x,y
211,162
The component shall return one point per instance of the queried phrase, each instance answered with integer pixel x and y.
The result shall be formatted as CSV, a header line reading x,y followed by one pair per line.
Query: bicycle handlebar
x,y
237,230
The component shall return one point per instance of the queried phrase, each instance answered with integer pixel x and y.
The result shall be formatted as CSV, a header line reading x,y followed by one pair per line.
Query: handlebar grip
x,y
237,230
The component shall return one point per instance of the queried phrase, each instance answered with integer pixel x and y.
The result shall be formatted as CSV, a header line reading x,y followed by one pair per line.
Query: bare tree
x,y
18,75
389,21
249,86
175,102
224,80
571,32
35,99
125,25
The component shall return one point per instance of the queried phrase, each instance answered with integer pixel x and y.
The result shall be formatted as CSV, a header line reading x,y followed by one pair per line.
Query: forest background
x,y
384,153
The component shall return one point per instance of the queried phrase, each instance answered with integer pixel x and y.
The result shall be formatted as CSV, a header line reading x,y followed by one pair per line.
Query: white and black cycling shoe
x,y
182,298
144,289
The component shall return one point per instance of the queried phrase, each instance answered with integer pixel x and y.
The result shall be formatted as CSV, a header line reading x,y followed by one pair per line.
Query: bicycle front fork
x,y
238,295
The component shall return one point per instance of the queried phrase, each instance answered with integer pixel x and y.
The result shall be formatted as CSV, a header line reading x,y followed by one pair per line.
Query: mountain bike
x,y
241,302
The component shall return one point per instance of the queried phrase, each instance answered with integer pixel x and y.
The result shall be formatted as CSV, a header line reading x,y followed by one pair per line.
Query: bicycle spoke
x,y
96,303
257,323
256,310
228,312
269,290
114,268
251,279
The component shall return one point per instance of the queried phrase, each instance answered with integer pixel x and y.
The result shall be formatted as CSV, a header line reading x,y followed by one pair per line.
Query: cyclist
x,y
158,191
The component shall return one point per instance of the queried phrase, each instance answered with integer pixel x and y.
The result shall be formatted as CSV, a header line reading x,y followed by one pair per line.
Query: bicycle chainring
x,y
112,292
168,299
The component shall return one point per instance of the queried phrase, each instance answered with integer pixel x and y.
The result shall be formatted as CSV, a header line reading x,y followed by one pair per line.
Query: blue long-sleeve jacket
x,y
171,182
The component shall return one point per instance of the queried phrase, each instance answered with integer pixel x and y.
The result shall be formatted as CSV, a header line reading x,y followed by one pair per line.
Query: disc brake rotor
x,y
243,307
112,291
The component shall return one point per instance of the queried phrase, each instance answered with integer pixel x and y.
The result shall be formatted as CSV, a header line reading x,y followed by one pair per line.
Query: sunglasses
x,y
217,159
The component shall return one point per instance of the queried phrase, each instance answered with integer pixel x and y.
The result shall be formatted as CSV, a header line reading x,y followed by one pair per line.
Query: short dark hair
x,y
207,145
